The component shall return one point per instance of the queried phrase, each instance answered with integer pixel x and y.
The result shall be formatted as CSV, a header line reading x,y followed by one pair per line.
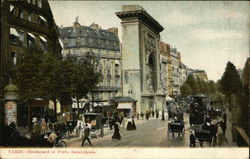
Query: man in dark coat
x,y
192,139
157,114
86,135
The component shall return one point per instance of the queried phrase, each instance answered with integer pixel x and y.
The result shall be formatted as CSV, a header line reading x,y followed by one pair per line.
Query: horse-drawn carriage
x,y
197,109
204,133
96,121
176,127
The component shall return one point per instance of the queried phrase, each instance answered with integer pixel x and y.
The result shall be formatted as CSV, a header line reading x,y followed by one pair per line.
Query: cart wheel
x,y
62,144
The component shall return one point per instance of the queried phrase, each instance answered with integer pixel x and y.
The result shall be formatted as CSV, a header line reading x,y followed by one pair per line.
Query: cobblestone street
x,y
151,133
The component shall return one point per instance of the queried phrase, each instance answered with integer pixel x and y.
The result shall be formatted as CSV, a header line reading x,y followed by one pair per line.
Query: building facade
x,y
201,74
175,71
25,24
105,46
183,73
141,77
166,60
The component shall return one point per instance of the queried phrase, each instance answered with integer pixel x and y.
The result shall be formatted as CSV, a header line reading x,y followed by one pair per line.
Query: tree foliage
x,y
245,97
30,80
230,81
192,84
185,89
55,78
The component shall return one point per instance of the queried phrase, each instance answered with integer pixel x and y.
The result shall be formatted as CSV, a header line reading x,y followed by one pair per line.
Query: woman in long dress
x,y
116,134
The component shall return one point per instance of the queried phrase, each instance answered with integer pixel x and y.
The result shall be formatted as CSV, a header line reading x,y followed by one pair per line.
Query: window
x,y
42,20
31,40
11,8
29,17
34,2
13,58
78,41
21,38
39,3
83,41
29,1
43,43
13,36
65,41
20,13
78,52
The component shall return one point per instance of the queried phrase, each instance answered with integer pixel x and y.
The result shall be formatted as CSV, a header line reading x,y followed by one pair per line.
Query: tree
x,y
230,81
192,84
185,89
29,79
245,97
211,87
202,86
52,72
86,75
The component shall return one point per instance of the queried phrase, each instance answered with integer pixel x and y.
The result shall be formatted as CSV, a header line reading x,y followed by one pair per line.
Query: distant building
x,y
175,65
105,45
25,24
201,74
183,73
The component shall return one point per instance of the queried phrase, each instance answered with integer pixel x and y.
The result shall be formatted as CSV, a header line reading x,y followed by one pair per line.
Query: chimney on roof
x,y
113,30
94,26
76,24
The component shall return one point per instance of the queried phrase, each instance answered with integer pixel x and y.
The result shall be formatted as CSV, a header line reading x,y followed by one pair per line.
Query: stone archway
x,y
151,74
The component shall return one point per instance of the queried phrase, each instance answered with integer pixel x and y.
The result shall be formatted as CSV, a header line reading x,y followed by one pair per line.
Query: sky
x,y
208,34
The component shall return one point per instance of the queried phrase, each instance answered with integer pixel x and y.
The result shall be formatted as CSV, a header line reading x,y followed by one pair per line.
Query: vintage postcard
x,y
124,79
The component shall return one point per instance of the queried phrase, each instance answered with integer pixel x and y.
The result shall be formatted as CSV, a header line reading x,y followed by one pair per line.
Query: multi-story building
x,y
175,71
25,24
183,73
105,45
165,53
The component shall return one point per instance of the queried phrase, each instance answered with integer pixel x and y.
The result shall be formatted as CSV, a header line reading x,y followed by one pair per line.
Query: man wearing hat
x,y
192,139
36,130
86,135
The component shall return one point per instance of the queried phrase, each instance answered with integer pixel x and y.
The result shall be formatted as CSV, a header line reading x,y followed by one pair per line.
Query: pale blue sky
x,y
208,34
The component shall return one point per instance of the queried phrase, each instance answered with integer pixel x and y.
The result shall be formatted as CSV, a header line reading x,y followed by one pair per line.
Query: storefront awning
x,y
42,18
61,43
43,39
14,32
31,35
124,106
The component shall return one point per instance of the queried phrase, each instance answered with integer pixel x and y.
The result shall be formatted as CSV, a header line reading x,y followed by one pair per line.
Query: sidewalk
x,y
229,136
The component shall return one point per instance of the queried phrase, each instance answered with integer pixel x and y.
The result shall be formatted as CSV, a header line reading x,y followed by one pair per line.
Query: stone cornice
x,y
143,16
